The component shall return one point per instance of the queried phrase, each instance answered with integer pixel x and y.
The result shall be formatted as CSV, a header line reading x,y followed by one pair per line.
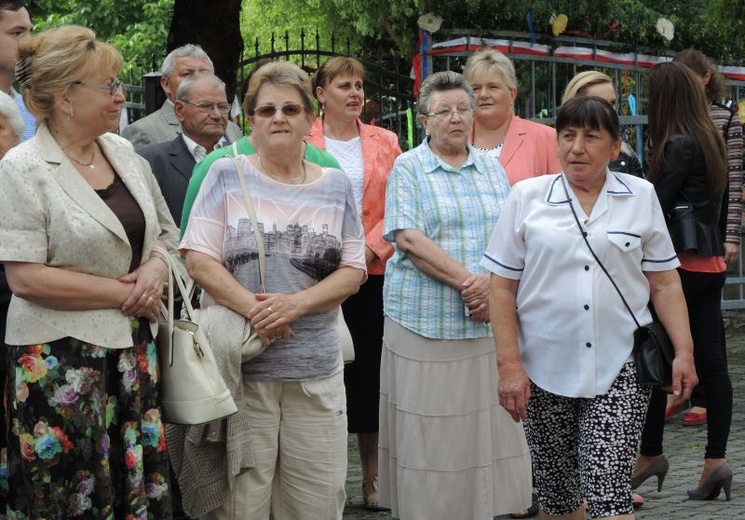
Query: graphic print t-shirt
x,y
309,230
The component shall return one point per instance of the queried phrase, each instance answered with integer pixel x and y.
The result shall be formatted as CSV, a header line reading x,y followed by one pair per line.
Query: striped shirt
x,y
456,209
725,121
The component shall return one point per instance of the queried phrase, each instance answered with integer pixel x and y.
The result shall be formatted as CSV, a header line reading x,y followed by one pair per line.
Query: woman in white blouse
x,y
563,336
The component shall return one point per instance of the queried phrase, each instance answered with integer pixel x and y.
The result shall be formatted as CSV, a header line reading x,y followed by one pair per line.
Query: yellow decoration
x,y
558,23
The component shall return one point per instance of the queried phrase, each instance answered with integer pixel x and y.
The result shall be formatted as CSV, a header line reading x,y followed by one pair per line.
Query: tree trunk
x,y
215,25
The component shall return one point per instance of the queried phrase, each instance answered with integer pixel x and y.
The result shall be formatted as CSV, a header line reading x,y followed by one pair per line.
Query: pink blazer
x,y
379,151
529,150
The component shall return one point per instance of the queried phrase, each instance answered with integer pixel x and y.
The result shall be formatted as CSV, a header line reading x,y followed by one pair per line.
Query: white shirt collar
x,y
614,185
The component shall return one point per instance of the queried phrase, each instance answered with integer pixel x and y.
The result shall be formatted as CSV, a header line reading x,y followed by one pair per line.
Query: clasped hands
x,y
475,296
272,315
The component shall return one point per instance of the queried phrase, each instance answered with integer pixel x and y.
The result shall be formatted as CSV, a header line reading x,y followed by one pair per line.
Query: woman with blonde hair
x,y
595,83
524,148
80,216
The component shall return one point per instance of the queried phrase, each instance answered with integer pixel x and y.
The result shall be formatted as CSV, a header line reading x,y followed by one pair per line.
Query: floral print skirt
x,y
85,439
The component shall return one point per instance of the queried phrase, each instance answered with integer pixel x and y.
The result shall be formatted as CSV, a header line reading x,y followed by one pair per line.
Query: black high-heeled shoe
x,y
658,468
720,478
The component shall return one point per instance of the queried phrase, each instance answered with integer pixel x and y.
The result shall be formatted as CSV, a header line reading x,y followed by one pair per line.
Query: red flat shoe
x,y
694,419
674,410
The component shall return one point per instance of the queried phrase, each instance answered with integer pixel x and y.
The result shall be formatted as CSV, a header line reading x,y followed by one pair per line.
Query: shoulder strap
x,y
592,251
252,216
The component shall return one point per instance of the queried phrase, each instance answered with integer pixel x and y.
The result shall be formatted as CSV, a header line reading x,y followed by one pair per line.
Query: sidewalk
x,y
684,447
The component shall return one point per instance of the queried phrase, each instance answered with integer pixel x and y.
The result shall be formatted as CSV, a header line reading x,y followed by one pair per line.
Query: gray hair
x,y
488,61
10,110
440,82
189,50
184,89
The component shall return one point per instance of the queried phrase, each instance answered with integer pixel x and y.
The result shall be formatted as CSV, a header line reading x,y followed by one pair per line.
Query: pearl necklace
x,y
88,165
299,179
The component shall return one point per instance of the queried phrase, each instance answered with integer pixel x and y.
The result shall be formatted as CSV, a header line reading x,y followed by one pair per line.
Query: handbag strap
x,y
174,276
252,215
592,251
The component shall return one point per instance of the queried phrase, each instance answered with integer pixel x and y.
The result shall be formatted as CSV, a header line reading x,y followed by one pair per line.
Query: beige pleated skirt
x,y
447,449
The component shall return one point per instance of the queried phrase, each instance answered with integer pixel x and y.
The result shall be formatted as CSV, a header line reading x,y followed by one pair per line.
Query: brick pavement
x,y
684,447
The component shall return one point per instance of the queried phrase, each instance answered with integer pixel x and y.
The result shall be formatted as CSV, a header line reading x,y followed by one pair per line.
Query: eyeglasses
x,y
112,87
206,107
447,113
290,109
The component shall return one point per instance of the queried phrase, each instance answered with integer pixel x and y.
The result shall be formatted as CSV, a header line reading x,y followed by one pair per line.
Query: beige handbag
x,y
193,391
345,338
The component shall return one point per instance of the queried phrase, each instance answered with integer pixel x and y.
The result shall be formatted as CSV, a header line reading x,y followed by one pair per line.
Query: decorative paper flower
x,y
666,28
429,22
558,23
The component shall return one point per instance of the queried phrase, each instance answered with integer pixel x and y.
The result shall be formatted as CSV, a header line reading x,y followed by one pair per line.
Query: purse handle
x,y
592,251
252,215
167,309
254,224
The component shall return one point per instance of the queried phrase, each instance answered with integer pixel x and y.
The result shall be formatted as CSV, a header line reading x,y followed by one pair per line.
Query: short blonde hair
x,y
582,81
280,74
489,61
51,61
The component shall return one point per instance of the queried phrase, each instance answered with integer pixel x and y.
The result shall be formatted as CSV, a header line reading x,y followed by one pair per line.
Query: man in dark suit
x,y
202,110
162,125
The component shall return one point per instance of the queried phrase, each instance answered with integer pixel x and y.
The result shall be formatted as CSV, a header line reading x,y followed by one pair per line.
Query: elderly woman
x,y
595,83
366,154
688,167
294,390
447,450
524,148
80,214
564,341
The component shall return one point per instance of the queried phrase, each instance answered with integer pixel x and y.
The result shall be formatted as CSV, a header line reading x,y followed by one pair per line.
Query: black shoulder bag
x,y
653,352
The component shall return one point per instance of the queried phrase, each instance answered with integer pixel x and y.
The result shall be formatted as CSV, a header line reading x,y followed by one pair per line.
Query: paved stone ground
x,y
684,448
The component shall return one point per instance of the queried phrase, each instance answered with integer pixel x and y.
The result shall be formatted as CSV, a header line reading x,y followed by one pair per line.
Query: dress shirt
x,y
456,209
574,331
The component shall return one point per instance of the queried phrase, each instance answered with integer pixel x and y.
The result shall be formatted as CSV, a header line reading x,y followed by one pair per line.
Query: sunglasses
x,y
290,109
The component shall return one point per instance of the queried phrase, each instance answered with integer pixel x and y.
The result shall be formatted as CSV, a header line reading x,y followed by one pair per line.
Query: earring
x,y
426,132
70,115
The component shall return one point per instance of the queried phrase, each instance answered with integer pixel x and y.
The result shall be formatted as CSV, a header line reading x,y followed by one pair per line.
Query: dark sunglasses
x,y
290,109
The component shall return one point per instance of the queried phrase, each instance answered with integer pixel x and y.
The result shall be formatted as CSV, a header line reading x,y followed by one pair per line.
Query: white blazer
x,y
50,215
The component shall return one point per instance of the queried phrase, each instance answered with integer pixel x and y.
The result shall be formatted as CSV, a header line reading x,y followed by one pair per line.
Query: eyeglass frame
x,y
447,113
112,87
276,108
223,108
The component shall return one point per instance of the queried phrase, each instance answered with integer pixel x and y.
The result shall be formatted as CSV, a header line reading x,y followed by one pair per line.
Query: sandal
x,y
372,499
530,512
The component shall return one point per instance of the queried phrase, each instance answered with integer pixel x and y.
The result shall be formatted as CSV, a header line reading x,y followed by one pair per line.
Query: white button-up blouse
x,y
574,331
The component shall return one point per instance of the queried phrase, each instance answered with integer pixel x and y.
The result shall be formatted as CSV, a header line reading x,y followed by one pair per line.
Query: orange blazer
x,y
529,150
379,151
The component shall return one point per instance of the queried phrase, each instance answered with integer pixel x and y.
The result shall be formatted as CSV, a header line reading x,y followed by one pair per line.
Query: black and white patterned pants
x,y
584,448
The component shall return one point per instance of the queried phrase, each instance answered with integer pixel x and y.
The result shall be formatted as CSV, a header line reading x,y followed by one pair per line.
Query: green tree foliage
x,y
262,18
714,26
138,29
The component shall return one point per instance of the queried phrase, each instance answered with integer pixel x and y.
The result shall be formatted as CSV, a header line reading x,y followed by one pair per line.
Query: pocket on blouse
x,y
625,240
